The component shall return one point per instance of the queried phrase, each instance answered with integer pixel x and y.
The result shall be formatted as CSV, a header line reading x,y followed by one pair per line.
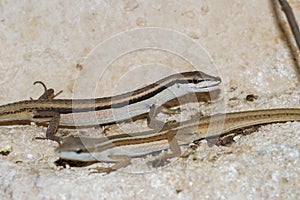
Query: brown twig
x,y
288,11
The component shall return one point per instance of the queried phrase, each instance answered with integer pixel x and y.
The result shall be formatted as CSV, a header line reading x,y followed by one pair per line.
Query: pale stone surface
x,y
45,40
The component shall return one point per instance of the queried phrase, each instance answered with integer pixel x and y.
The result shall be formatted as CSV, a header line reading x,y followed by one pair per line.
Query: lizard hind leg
x,y
52,127
175,148
48,93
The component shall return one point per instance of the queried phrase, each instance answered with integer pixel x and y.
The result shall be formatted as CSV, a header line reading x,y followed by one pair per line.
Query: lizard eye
x,y
195,81
78,151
